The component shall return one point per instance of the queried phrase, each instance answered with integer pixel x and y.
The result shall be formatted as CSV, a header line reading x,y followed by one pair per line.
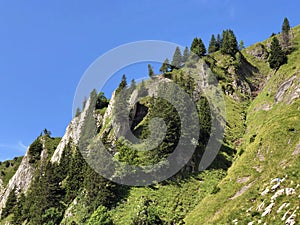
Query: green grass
x,y
273,133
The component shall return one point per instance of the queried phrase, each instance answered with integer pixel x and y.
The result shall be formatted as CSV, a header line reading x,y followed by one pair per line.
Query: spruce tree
x,y
150,71
277,55
219,42
198,47
229,43
122,85
213,46
186,54
165,66
286,26
177,58
285,33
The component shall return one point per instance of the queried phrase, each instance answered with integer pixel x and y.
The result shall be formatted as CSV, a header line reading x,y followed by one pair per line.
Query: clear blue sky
x,y
45,47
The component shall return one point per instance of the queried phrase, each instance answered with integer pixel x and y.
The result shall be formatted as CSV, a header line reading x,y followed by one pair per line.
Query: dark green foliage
x,y
213,45
101,216
165,67
177,58
150,71
186,54
10,203
35,150
75,175
99,191
219,41
285,26
229,43
277,56
285,34
198,47
102,101
51,143
122,85
18,216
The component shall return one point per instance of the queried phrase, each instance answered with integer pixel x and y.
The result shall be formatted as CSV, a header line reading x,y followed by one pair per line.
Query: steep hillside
x,y
253,179
262,185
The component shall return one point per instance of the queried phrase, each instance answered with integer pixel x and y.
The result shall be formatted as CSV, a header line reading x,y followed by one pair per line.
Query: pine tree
x,y
150,71
213,45
177,58
198,47
277,55
186,54
165,66
229,43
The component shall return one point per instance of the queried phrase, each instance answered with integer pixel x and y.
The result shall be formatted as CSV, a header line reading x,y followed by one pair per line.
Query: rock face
x,y
259,52
72,133
20,181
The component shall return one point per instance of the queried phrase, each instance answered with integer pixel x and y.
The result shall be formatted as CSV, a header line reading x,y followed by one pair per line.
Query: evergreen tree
x,y
186,54
285,33
198,47
122,85
150,71
132,84
10,203
219,41
277,55
286,26
229,43
165,66
241,45
177,58
213,45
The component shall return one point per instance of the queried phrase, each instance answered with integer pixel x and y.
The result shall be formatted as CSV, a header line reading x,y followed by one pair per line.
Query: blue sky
x,y
45,47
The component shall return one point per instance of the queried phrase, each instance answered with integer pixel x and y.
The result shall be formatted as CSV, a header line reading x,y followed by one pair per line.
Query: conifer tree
x,y
241,45
277,55
198,47
177,58
229,43
122,85
186,54
150,71
285,33
213,45
219,41
165,66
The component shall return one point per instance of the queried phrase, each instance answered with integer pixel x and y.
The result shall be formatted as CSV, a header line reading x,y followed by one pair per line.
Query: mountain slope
x,y
269,150
254,178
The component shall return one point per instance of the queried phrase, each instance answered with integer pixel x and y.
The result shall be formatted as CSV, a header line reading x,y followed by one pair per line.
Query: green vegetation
x,y
277,55
8,168
198,47
261,143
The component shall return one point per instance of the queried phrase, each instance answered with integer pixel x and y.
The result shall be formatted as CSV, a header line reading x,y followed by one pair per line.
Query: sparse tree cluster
x,y
198,47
